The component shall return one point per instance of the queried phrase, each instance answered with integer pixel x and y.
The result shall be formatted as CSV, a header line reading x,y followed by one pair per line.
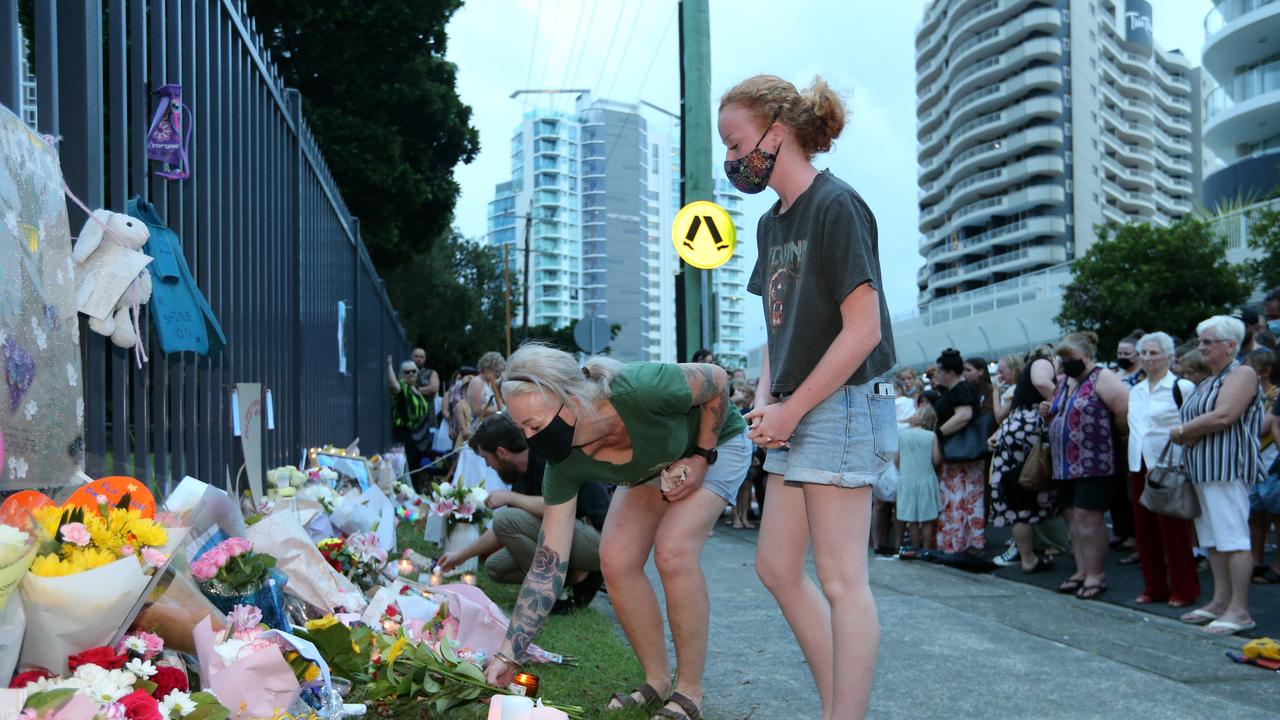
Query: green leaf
x,y
49,700
472,671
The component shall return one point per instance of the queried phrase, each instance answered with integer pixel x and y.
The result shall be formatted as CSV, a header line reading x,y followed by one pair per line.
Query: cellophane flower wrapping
x,y
311,578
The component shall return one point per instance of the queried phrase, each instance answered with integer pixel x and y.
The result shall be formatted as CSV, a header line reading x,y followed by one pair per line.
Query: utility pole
x,y
528,240
692,292
506,284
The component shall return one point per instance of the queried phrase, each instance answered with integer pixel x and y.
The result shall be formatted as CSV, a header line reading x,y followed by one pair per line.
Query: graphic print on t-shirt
x,y
784,274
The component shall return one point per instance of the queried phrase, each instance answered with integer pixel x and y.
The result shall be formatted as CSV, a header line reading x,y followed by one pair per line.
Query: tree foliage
x,y
1264,237
382,101
451,301
563,337
1141,276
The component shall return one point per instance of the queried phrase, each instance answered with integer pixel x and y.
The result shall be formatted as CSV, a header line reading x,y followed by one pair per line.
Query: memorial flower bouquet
x,y
360,558
397,673
231,573
113,684
92,565
458,504
321,494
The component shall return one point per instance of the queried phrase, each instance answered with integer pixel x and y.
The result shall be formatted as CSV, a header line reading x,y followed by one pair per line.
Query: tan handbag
x,y
1037,471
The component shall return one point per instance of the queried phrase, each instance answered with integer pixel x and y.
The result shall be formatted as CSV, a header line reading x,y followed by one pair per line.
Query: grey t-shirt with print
x,y
810,258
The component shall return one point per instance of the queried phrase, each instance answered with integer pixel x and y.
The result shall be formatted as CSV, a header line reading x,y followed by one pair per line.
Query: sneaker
x,y
1008,557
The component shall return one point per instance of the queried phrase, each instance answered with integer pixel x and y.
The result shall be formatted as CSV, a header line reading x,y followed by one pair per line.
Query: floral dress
x,y
1012,504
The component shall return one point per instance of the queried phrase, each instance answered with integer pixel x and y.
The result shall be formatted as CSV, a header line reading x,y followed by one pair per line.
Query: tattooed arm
x,y
541,589
709,387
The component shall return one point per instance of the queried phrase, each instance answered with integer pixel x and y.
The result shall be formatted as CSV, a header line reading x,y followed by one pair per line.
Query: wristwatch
x,y
710,455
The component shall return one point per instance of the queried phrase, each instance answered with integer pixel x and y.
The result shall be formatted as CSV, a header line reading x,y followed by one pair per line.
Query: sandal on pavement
x,y
1226,627
1071,586
688,709
1199,616
1091,592
646,691
1265,576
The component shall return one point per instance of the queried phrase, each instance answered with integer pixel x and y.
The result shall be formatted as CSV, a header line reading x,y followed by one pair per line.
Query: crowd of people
x,y
1051,443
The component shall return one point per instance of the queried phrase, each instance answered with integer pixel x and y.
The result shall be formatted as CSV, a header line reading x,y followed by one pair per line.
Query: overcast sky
x,y
627,50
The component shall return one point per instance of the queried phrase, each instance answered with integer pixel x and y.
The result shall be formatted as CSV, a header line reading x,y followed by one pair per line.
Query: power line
x,y
625,47
609,50
546,69
657,49
571,80
533,49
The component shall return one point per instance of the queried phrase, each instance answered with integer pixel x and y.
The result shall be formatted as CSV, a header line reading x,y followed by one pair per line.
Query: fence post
x,y
294,98
10,57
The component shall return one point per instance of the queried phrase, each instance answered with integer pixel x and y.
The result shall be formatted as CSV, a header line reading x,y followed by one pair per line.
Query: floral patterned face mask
x,y
750,173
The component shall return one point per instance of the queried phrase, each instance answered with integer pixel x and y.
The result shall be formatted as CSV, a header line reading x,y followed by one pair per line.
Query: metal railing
x,y
269,240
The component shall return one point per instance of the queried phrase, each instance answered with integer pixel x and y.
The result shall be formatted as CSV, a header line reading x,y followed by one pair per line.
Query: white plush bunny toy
x,y
111,274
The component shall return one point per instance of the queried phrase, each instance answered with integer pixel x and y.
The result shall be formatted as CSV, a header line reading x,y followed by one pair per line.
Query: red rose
x,y
138,705
104,657
168,679
24,679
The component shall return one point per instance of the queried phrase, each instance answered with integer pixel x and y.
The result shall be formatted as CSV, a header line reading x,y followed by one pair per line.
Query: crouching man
x,y
508,546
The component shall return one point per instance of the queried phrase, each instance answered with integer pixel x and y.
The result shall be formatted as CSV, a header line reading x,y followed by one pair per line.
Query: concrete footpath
x,y
957,645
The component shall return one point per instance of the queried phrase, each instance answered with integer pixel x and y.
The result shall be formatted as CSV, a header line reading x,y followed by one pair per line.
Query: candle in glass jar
x,y
406,567
525,684
437,578
469,578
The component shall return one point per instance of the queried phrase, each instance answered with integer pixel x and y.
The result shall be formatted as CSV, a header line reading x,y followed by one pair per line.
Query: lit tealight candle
x,y
524,684
406,567
469,578
437,578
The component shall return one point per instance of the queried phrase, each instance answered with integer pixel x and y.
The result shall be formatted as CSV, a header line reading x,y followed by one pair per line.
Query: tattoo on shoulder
x,y
702,382
541,588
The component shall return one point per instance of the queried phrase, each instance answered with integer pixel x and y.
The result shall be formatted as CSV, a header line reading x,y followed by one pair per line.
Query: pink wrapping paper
x,y
255,686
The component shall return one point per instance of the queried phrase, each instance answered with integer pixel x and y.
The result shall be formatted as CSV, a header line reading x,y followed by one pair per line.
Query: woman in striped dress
x,y
1220,425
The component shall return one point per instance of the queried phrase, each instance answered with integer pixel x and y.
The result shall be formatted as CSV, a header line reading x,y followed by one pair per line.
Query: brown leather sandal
x,y
647,691
688,709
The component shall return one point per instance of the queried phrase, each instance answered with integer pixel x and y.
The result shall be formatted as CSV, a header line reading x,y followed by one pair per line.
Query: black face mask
x,y
1073,368
1125,363
554,442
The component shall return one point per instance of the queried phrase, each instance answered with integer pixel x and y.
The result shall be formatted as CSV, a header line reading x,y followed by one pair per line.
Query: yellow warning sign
x,y
704,235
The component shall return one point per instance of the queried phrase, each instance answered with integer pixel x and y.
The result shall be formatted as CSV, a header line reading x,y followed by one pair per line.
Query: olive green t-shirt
x,y
656,407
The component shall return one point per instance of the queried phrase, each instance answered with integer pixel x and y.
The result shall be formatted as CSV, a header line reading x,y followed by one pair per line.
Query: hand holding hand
x,y
771,426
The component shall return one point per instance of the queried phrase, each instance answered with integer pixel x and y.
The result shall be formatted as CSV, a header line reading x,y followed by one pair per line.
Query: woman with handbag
x,y
961,522
1163,542
1219,431
1082,416
1011,502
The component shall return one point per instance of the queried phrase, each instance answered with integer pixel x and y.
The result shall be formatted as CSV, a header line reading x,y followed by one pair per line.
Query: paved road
x,y
956,645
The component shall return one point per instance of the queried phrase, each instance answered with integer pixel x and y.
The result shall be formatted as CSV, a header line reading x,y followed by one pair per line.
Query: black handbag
x,y
967,445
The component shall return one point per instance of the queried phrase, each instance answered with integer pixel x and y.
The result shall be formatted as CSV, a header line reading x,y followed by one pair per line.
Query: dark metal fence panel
x,y
262,226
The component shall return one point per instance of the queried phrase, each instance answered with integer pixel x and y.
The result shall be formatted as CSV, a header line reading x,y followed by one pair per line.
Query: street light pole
x,y
528,238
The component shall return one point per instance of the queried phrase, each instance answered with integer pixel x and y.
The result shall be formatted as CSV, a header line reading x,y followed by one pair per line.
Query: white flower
x,y
135,644
141,668
105,686
177,704
476,496
446,488
229,651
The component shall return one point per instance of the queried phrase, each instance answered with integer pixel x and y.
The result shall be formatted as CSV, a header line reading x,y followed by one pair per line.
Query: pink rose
x,y
126,550
237,546
155,644
204,568
154,558
76,534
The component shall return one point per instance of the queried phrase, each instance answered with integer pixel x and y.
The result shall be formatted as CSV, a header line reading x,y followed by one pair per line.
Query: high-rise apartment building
x,y
1242,110
602,186
1037,121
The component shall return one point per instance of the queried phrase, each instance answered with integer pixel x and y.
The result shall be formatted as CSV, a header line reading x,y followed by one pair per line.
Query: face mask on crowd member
x,y
751,172
1073,367
553,442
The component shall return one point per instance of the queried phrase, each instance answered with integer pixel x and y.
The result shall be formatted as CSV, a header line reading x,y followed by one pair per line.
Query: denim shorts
x,y
733,460
849,440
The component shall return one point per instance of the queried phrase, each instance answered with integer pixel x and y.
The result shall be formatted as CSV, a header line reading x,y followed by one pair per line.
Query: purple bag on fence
x,y
166,141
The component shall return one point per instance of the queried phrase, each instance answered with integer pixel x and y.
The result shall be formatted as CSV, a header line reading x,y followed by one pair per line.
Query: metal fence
x,y
266,233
